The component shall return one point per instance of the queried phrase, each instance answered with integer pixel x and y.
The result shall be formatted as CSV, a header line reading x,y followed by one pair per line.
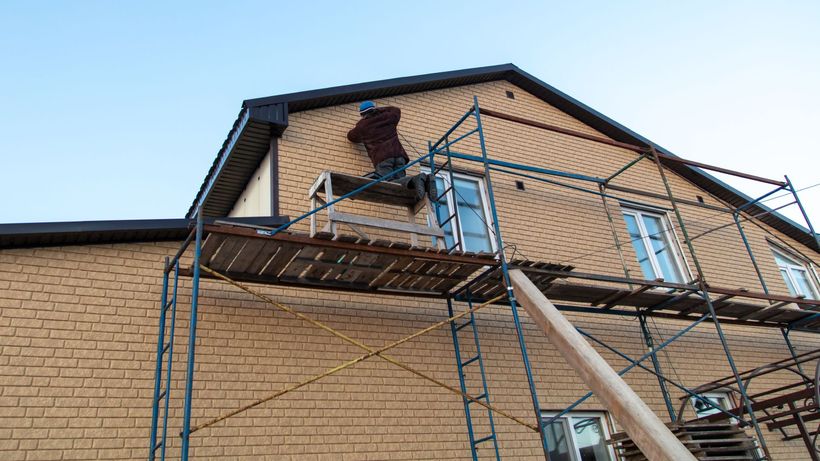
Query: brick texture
x,y
78,324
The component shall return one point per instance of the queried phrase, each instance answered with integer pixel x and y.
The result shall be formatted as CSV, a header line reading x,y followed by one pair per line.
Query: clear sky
x,y
116,110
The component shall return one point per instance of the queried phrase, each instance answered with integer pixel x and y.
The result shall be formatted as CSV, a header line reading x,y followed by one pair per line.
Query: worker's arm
x,y
393,113
355,135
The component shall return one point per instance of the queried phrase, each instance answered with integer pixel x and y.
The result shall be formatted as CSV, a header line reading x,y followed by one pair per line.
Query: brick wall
x,y
78,323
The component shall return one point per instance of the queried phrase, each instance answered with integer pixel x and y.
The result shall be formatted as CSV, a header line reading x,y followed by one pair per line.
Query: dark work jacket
x,y
379,135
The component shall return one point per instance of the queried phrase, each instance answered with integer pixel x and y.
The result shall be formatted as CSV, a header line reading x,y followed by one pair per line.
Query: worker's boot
x,y
418,184
432,190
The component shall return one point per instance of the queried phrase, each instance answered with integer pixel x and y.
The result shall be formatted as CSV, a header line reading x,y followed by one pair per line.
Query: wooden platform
x,y
355,264
561,284
707,442
348,263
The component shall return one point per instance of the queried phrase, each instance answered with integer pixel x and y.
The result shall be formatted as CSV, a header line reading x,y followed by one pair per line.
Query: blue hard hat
x,y
366,106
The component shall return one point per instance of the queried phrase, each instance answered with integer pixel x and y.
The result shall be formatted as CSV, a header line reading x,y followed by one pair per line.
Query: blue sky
x,y
115,110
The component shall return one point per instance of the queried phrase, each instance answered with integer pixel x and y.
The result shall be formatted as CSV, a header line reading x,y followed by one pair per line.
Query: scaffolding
x,y
237,254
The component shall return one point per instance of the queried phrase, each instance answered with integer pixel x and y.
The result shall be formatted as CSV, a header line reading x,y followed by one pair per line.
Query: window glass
x,y
640,248
655,245
589,438
789,283
659,238
473,220
579,436
443,212
797,276
719,399
559,444
801,277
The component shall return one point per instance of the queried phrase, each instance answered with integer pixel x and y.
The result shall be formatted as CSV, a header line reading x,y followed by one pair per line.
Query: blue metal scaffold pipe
x,y
510,295
189,375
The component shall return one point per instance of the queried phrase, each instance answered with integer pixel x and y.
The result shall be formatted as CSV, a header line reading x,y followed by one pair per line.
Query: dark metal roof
x,y
94,232
269,116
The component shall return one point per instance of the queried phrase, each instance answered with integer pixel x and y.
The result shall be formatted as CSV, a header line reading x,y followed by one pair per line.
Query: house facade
x,y
79,308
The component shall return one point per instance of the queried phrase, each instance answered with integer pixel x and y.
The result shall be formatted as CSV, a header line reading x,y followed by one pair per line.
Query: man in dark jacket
x,y
377,130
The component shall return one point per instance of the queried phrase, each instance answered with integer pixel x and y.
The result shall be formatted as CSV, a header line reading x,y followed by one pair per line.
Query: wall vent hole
x,y
519,185
510,95
700,199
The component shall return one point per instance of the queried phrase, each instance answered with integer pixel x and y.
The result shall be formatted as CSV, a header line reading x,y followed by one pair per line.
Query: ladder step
x,y
478,397
470,361
161,395
468,322
157,446
443,165
446,191
444,223
168,305
166,347
484,439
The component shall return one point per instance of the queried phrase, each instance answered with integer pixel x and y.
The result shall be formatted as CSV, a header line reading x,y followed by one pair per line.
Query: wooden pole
x,y
651,435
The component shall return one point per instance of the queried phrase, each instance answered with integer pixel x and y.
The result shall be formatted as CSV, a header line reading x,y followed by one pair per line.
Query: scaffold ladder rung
x,y
479,397
484,393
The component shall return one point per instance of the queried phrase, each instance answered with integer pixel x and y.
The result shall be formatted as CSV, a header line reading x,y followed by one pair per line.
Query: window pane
x,y
471,216
782,261
788,280
704,409
661,247
801,277
640,248
557,440
443,212
589,435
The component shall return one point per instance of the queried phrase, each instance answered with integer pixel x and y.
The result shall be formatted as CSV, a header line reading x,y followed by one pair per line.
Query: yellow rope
x,y
371,352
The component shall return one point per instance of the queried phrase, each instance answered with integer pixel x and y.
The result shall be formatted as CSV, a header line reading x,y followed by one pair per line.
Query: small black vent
x,y
519,185
510,95
700,199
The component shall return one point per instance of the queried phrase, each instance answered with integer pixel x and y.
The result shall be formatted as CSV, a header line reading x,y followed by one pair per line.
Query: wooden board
x,y
347,262
384,192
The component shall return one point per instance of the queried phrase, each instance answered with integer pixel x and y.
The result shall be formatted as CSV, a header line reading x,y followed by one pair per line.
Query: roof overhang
x,y
263,118
45,234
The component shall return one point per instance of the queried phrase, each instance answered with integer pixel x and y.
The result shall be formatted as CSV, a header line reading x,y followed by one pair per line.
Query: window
x,y
579,436
655,245
798,276
718,399
474,217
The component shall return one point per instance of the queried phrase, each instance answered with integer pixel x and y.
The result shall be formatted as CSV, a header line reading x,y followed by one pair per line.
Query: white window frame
x,y
798,264
606,424
725,395
451,206
677,252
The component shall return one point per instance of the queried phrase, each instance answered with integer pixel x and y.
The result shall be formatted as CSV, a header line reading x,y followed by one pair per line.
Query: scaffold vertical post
x,y
704,292
508,284
751,254
602,189
793,353
189,375
650,344
802,211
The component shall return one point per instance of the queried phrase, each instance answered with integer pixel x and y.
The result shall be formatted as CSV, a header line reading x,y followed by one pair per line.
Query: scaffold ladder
x,y
448,193
473,363
165,352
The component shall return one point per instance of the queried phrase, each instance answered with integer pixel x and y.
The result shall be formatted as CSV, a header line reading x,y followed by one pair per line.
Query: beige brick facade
x,y
78,323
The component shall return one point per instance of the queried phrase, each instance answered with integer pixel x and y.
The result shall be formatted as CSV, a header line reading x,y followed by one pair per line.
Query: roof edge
x,y
43,234
379,84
